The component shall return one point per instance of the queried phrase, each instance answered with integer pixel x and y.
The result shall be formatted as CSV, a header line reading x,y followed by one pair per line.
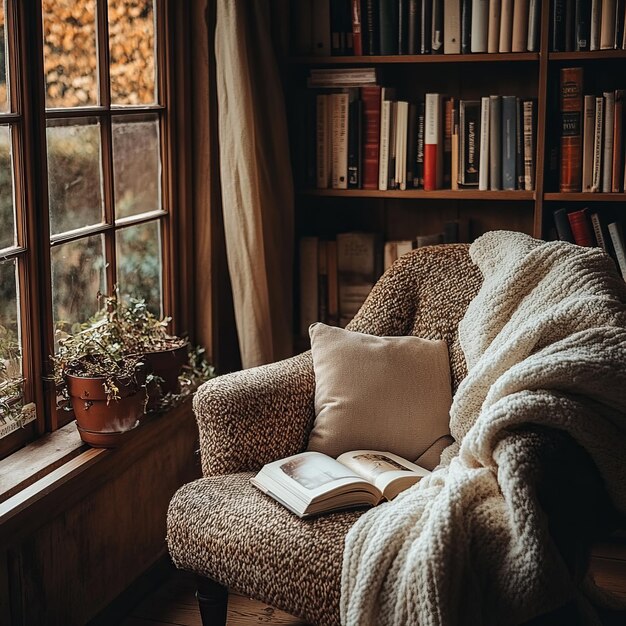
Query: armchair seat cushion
x,y
224,528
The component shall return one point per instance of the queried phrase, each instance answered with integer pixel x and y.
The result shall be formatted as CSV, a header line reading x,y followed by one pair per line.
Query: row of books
x,y
591,228
592,146
337,275
389,27
366,139
588,25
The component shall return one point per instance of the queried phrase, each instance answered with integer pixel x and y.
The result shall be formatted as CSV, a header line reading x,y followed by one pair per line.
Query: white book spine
x,y
534,25
594,32
480,25
597,146
493,38
506,26
308,283
597,230
452,27
529,145
483,168
383,159
339,140
589,122
607,28
618,245
322,133
607,152
520,26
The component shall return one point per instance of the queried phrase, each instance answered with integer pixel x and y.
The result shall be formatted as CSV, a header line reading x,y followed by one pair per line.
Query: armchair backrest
x,y
425,293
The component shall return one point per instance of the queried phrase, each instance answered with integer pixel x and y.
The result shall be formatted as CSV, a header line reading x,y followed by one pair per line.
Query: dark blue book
x,y
466,26
388,23
509,142
583,24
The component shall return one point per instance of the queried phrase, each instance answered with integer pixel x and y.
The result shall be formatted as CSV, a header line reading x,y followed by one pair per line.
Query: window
x,y
85,192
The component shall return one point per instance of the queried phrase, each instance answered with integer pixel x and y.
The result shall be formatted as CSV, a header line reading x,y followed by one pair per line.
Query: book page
x,y
389,472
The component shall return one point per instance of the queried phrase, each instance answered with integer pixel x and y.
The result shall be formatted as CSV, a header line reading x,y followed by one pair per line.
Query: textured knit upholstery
x,y
220,526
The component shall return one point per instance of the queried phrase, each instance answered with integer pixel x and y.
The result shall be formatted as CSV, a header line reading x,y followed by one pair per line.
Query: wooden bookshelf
x,y
439,194
586,197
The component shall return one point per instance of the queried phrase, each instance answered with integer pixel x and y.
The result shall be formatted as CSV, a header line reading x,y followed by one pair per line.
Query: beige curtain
x,y
257,188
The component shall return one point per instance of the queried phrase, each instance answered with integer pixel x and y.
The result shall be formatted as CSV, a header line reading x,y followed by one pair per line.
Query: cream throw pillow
x,y
378,393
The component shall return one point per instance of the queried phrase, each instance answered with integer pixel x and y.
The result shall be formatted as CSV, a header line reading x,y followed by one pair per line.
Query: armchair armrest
x,y
249,418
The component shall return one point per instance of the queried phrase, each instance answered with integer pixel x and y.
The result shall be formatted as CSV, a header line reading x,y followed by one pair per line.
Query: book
x,y
607,143
403,30
620,26
562,225
581,228
571,106
583,25
448,108
371,43
338,43
413,26
519,144
391,164
433,142
519,41
607,25
469,144
339,140
598,230
594,25
386,95
530,124
357,28
493,35
418,181
596,176
454,152
506,26
402,120
589,123
320,16
426,24
617,239
301,28
534,25
495,142
355,151
311,483
483,168
558,26
618,113
388,26
452,26
309,307
466,26
322,141
411,146
436,46
509,125
371,98
480,25
570,9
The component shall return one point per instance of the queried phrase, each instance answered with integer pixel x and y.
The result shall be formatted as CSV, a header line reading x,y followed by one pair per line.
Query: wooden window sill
x,y
58,469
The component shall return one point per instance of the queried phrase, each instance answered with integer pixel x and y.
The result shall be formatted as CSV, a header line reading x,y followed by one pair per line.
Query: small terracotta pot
x,y
167,365
94,416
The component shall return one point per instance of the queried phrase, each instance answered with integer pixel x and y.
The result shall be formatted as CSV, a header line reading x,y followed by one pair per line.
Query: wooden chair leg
x,y
213,601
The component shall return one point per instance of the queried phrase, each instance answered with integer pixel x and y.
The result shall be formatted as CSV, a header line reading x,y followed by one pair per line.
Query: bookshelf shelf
x,y
417,58
439,194
586,197
584,56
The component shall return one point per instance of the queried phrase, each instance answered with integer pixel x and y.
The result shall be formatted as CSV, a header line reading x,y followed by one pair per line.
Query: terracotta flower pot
x,y
167,365
102,424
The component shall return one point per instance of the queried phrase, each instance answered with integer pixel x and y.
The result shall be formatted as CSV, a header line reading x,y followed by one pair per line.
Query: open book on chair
x,y
310,483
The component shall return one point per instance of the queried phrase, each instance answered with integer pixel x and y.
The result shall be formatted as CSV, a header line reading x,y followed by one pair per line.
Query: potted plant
x,y
106,388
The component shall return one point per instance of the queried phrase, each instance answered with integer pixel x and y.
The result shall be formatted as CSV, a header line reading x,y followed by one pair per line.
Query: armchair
x,y
231,535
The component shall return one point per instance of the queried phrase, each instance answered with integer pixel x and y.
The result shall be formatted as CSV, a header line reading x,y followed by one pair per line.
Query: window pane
x,y
77,276
8,235
10,353
131,42
74,174
70,57
4,57
139,268
136,166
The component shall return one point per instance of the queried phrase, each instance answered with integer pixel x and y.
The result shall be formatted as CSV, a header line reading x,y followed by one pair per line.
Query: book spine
x,y
495,142
569,25
607,25
563,228
388,25
391,167
597,230
390,254
355,112
447,142
615,231
534,25
371,97
617,141
519,143
413,26
509,114
401,133
455,149
506,26
597,146
529,144
480,26
583,25
483,167
466,26
339,140
558,26
493,37
588,141
419,157
571,135
520,26
322,141
620,8
411,149
320,28
607,151
594,27
357,28
437,27
308,283
322,282
581,229
333,293
470,142
301,28
385,129
433,153
371,41
403,27
337,35
426,26
452,27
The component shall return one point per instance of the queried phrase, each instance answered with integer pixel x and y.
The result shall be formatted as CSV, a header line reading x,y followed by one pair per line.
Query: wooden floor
x,y
175,603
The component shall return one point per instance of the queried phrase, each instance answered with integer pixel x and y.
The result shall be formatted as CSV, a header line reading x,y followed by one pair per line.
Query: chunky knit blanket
x,y
545,344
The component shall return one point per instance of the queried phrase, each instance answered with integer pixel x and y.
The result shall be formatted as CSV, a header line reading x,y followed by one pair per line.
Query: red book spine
x,y
371,135
581,229
433,143
430,166
571,129
357,38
